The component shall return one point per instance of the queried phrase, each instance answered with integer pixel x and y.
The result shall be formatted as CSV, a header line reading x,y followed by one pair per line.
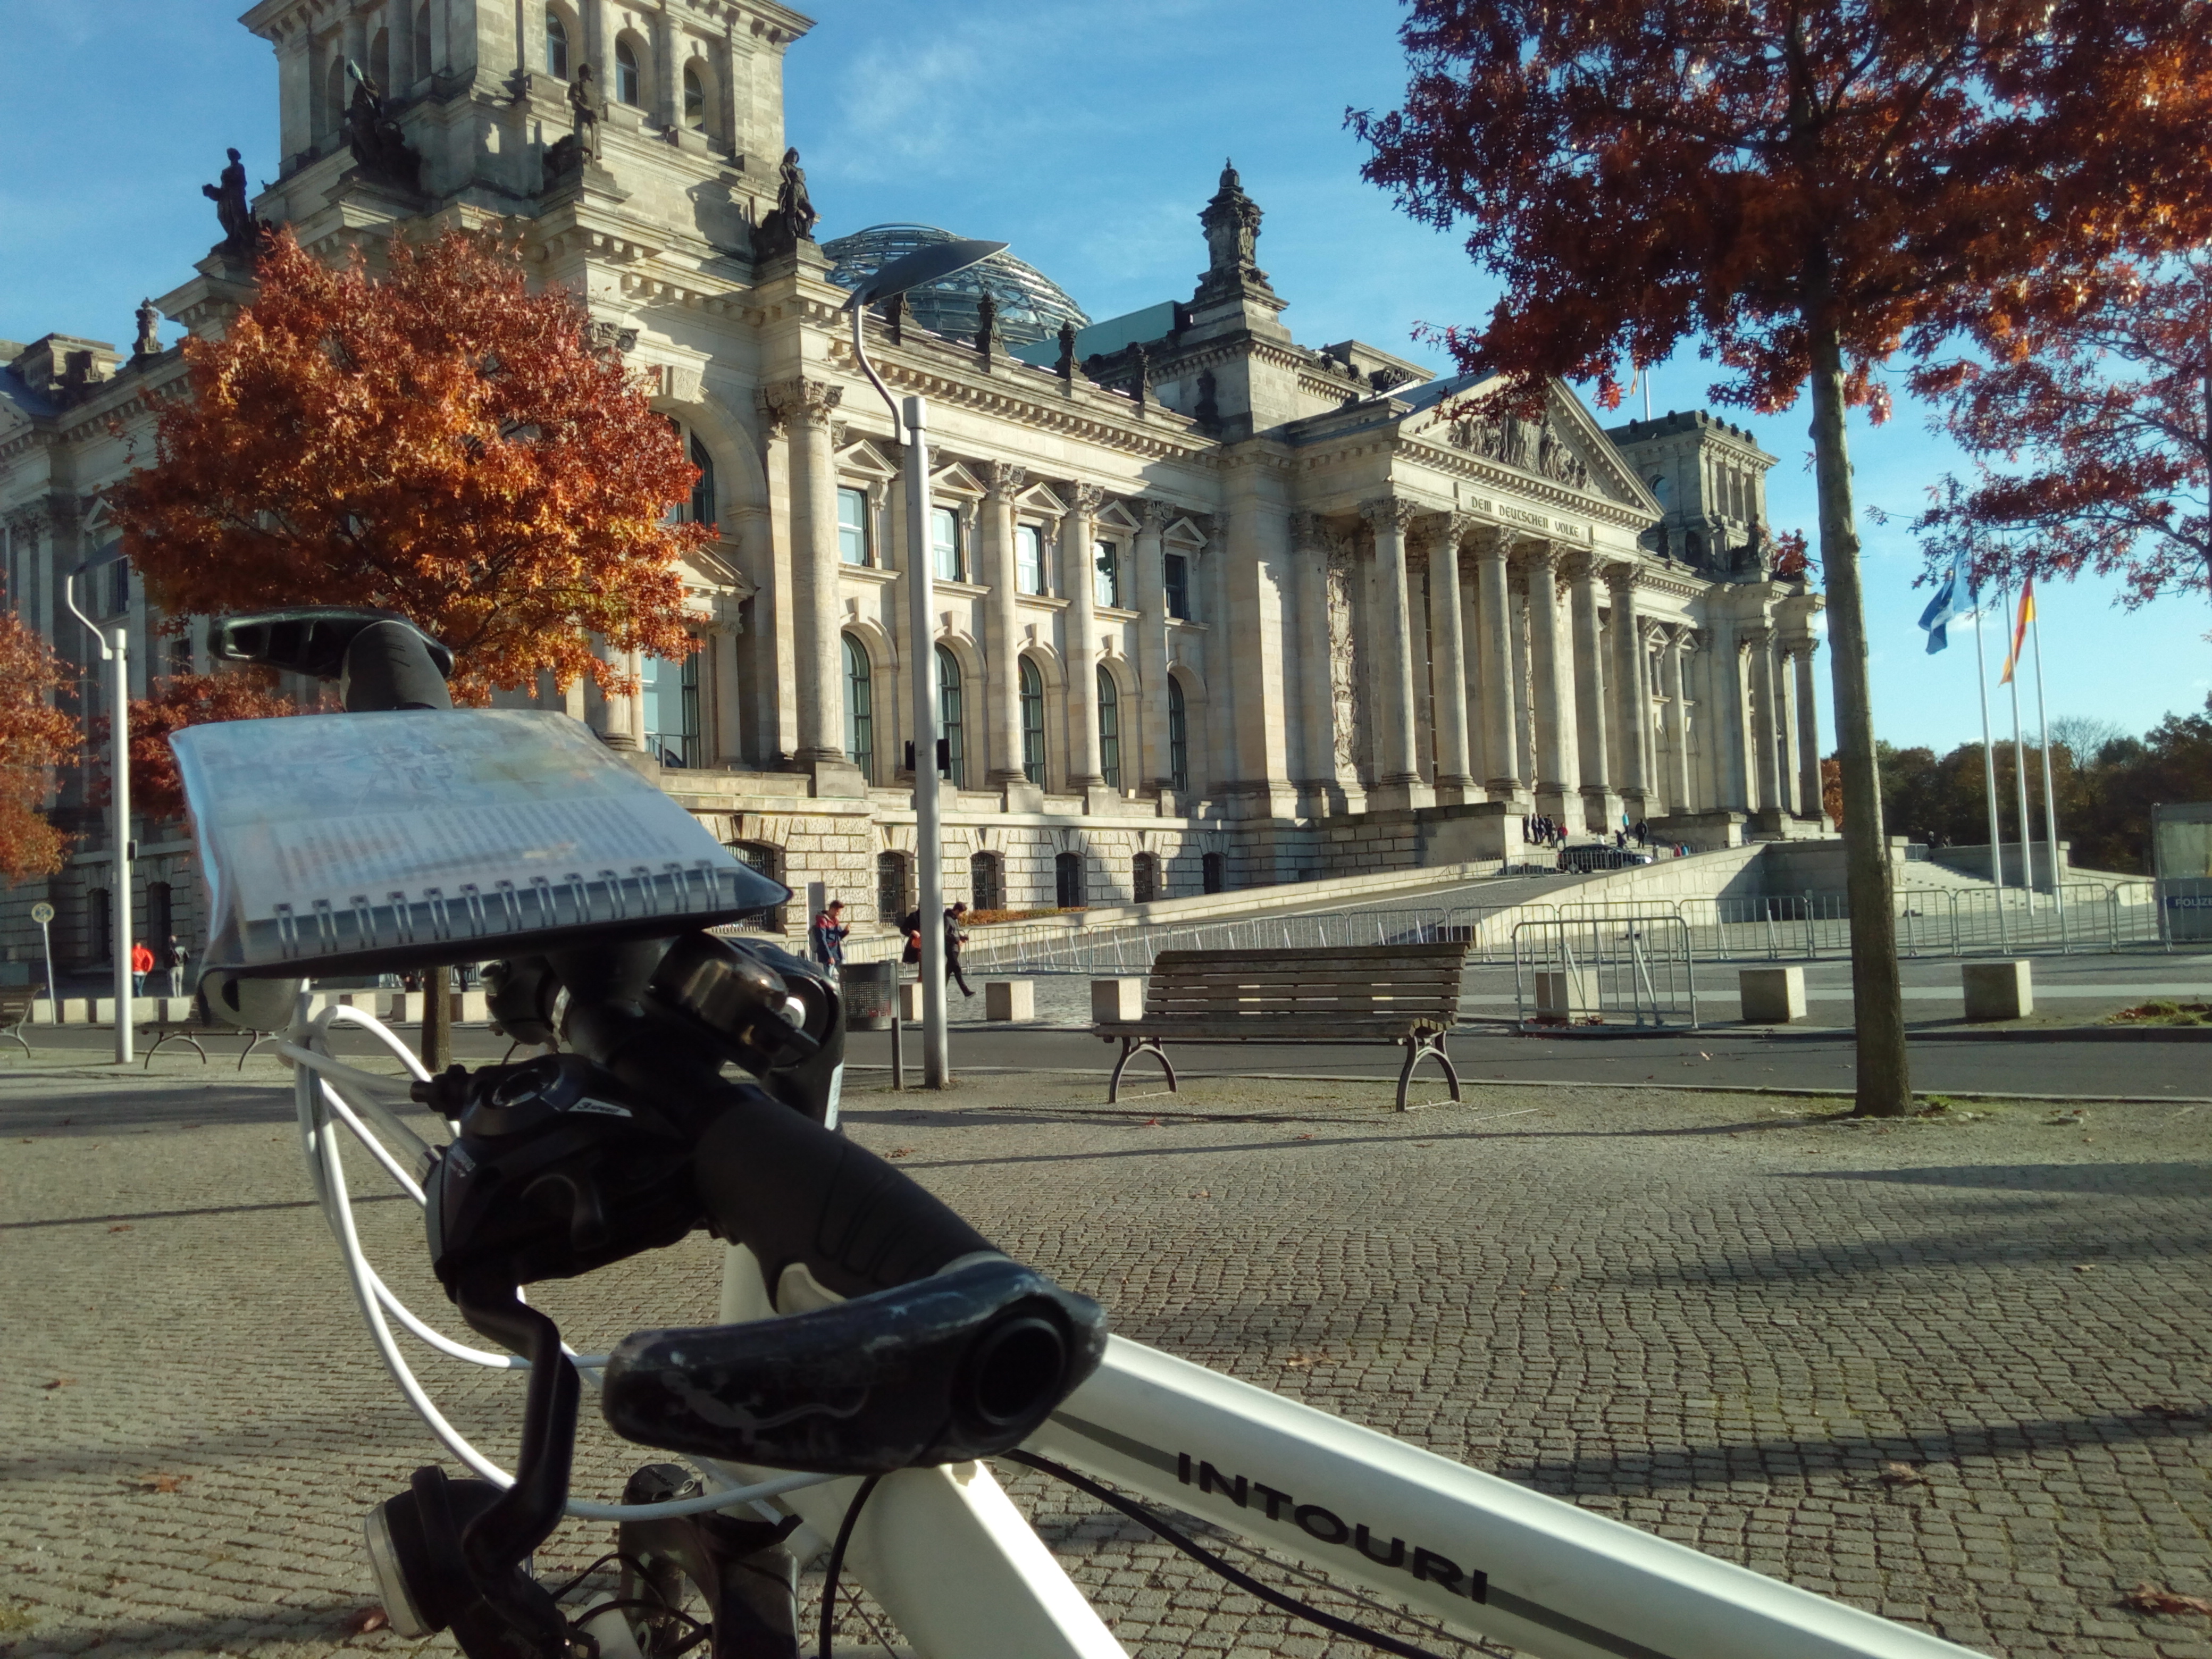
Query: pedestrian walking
x,y
826,937
174,958
142,964
954,938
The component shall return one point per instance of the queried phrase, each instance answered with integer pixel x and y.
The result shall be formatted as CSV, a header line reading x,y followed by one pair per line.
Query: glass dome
x,y
1031,306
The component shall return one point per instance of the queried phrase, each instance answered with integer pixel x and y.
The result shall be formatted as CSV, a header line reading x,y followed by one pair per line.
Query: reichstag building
x,y
1214,608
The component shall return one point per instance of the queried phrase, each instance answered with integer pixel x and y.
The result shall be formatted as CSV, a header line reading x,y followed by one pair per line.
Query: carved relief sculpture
x,y
1344,666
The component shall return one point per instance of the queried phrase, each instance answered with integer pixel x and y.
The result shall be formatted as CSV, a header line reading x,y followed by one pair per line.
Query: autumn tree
x,y
36,739
185,700
436,439
2090,422
1807,189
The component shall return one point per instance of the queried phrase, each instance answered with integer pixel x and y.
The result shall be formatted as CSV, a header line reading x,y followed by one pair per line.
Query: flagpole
x,y
1989,776
2050,806
2019,771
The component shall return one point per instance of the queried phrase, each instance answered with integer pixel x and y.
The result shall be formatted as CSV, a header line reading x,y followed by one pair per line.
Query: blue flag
x,y
1953,602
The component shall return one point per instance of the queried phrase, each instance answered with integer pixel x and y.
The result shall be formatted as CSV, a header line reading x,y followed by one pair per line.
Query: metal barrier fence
x,y
2184,910
1930,922
1585,972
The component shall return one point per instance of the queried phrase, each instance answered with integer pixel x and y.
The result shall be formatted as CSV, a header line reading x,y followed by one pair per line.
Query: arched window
x,y
1032,723
1067,880
890,887
948,715
1144,877
422,64
1109,729
160,915
860,716
704,509
695,97
987,882
1213,871
1696,547
1178,738
557,47
334,97
766,858
379,60
1659,488
629,84
102,913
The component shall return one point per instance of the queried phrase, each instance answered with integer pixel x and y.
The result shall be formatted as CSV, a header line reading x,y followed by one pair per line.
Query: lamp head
x,y
924,264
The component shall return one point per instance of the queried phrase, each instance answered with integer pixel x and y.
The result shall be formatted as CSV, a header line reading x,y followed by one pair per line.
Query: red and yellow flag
x,y
2019,630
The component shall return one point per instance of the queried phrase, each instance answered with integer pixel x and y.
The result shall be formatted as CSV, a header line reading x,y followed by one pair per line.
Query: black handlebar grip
x,y
794,1191
389,666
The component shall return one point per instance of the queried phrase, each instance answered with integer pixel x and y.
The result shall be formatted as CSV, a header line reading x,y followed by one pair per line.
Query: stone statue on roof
x,y
242,233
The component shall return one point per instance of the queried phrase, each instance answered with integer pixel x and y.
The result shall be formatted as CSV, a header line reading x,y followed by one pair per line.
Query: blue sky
x,y
1086,135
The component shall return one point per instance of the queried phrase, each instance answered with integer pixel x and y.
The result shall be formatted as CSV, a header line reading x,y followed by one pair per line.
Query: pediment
x,y
956,480
1116,515
1183,533
865,458
1040,500
1567,447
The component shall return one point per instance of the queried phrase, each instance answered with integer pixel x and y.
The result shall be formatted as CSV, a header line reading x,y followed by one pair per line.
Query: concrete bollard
x,y
1772,996
76,1010
1009,998
1116,999
1564,992
909,1001
1999,990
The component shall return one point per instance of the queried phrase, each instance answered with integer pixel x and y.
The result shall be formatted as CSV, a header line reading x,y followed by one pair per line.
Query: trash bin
x,y
868,988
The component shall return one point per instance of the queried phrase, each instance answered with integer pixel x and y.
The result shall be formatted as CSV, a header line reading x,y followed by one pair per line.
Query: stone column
x,y
1631,691
1397,781
1078,532
1785,721
728,746
1557,786
1002,481
817,685
1679,797
1318,787
1455,778
1724,684
1808,731
1601,805
621,715
1766,754
1499,729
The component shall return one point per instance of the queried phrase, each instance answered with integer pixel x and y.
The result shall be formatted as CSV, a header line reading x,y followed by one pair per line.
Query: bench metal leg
x,y
176,1036
1131,1048
1419,1044
259,1037
14,1035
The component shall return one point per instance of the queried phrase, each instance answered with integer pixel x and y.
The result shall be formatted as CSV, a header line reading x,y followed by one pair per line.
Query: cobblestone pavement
x,y
1955,1371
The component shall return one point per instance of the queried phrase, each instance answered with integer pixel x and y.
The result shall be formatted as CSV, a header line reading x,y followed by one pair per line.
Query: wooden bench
x,y
1406,994
16,1003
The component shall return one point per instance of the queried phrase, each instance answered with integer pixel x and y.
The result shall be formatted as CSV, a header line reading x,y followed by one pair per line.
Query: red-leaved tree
x,y
184,699
437,439
1807,187
2091,428
36,739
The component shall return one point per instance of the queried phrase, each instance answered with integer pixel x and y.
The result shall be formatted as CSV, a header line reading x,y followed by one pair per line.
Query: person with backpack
x,y
174,958
825,939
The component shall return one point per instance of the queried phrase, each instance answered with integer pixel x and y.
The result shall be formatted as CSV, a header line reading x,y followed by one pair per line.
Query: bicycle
x,y
872,1351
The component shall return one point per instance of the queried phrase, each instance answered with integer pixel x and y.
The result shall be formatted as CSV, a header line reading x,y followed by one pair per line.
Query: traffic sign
x,y
42,913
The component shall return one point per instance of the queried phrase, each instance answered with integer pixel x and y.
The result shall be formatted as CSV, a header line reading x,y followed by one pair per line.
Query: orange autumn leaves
x,y
35,739
435,438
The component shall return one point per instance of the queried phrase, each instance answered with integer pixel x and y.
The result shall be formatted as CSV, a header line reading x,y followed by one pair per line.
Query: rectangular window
x,y
668,692
853,525
1177,569
944,539
1108,559
1028,558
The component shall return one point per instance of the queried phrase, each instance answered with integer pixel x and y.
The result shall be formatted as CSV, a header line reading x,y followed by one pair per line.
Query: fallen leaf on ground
x,y
1307,1135
160,1482
899,1151
2085,1266
1902,1475
2147,1597
120,1227
362,1620
60,1382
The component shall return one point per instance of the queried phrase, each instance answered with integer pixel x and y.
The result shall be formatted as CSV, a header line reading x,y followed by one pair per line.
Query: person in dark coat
x,y
826,937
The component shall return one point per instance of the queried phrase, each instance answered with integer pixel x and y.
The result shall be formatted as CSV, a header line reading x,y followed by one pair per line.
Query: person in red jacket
x,y
142,964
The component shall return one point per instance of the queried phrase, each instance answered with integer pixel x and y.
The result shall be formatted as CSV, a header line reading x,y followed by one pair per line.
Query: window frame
x,y
1174,585
693,78
1030,690
863,527
1178,738
1106,574
628,68
951,724
705,509
690,737
1029,575
1109,727
939,515
860,705
556,33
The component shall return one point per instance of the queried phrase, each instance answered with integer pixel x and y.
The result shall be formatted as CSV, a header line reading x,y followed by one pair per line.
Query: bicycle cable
x,y
1206,1558
837,1562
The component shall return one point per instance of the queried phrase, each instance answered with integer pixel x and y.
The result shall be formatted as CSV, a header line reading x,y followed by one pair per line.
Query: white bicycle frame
x,y
964,1575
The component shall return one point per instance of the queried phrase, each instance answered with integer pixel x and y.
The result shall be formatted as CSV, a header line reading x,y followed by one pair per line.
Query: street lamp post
x,y
115,649
909,419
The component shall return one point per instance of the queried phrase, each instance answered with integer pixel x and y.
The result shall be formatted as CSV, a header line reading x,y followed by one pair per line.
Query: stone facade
x,y
1214,608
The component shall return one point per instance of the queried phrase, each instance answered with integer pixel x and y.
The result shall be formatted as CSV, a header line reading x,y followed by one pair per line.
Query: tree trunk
x,y
438,1018
1884,1080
